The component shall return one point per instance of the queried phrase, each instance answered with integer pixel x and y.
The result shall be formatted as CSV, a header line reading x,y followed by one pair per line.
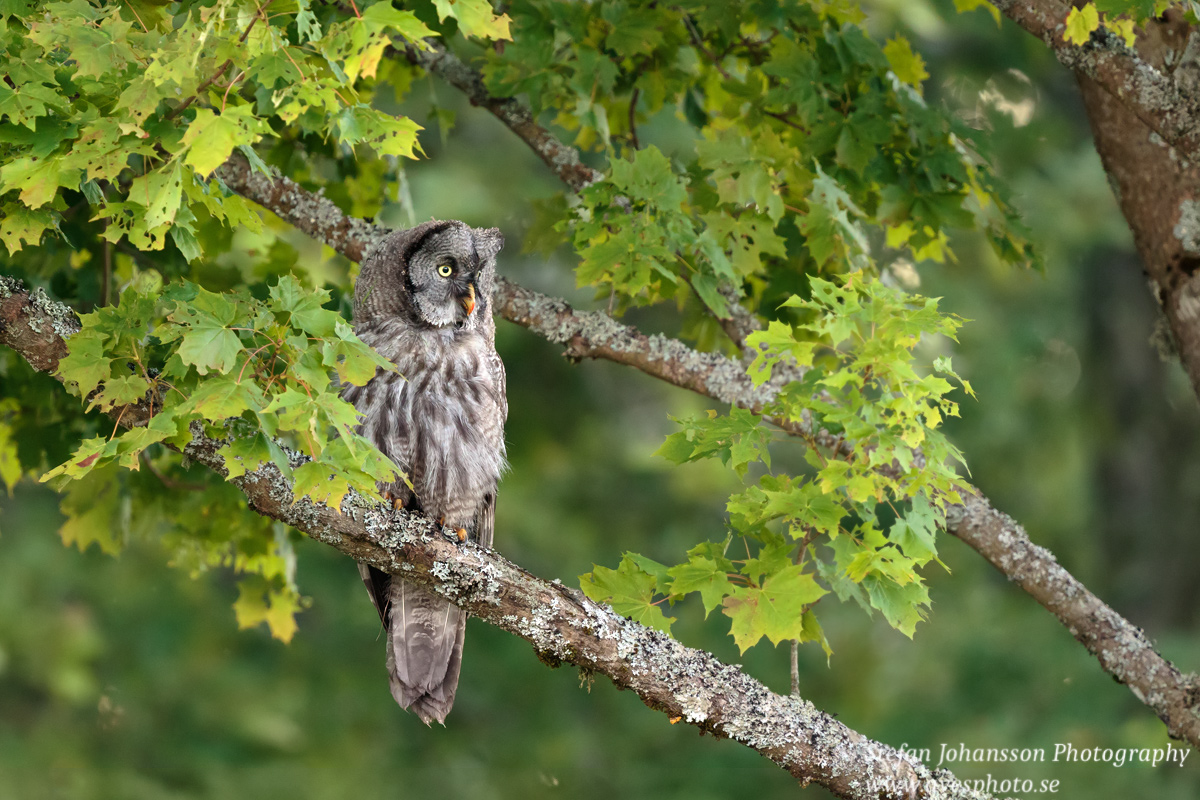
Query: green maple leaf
x,y
120,391
383,17
10,465
306,23
99,49
355,362
38,179
24,104
258,602
246,454
963,6
223,397
273,66
85,363
91,509
776,610
303,307
86,457
141,97
701,575
321,483
812,632
915,533
629,590
160,192
901,605
385,134
908,66
207,342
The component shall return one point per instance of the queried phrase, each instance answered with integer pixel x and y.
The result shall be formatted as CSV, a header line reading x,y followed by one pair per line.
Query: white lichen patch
x,y
1187,229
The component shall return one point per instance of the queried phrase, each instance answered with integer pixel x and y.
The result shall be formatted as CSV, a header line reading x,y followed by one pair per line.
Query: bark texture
x,y
1147,91
1156,185
1144,110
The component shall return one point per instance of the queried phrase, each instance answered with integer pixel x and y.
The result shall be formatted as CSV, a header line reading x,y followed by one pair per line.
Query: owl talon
x,y
394,500
462,534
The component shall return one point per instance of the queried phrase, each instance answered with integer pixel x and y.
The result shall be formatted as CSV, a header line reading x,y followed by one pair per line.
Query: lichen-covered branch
x,y
1122,649
1146,125
1158,191
590,334
1149,93
562,625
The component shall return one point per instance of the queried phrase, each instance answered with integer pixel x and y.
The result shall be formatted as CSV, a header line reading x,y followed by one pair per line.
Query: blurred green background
x,y
123,678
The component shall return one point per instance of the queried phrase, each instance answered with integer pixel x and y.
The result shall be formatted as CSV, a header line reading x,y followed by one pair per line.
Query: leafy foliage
x,y
762,155
804,131
863,520
186,356
135,105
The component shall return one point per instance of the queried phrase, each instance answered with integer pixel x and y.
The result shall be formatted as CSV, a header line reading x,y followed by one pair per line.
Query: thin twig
x,y
785,120
795,668
633,101
106,280
167,481
225,96
220,70
698,41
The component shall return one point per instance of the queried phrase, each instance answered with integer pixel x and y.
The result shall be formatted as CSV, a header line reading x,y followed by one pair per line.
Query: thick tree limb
x,y
1149,93
1123,650
1157,189
562,625
1147,130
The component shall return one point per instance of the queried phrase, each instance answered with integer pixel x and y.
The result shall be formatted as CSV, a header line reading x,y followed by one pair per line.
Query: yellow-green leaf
x,y
1080,24
970,5
475,18
1123,28
908,66
210,138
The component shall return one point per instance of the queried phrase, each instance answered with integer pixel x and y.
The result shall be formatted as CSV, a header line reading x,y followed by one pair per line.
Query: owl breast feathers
x,y
424,300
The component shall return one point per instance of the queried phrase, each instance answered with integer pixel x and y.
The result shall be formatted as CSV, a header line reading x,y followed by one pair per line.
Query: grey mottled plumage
x,y
424,300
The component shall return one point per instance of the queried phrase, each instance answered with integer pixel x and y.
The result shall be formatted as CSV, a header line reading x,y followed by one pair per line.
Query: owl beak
x,y
469,301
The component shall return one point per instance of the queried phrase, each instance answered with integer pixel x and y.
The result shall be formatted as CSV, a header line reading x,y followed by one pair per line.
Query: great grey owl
x,y
424,300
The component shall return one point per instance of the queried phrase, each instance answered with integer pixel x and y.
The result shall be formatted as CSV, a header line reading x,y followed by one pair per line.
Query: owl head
x,y
437,275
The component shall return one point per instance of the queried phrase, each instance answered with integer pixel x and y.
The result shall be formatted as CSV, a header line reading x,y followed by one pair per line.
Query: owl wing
x,y
485,521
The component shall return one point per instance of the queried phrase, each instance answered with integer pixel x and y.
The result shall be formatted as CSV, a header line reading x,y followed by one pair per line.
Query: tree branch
x,y
1122,649
1154,170
562,159
562,625
1147,92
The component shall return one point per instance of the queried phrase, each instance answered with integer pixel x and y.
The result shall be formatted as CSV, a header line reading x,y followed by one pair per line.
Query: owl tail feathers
x,y
424,650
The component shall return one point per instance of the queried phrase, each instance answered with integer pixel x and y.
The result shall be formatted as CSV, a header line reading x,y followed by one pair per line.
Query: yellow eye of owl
x,y
444,270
